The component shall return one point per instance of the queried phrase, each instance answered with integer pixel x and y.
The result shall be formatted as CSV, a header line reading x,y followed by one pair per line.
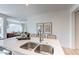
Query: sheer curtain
x,y
14,28
1,26
24,27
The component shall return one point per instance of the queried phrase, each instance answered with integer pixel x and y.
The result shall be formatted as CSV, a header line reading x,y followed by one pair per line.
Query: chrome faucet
x,y
39,34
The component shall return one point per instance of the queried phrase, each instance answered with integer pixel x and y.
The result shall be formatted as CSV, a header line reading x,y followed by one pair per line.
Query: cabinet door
x,y
16,53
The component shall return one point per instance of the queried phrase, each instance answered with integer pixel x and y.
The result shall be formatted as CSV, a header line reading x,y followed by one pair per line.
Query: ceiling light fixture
x,y
27,2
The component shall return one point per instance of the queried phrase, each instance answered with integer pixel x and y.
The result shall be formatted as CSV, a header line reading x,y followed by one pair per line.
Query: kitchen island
x,y
14,45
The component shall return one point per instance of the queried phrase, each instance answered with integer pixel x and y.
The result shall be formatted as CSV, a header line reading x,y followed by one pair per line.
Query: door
x,y
77,30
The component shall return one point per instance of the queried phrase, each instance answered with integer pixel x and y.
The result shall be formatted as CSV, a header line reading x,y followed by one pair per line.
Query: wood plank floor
x,y
68,51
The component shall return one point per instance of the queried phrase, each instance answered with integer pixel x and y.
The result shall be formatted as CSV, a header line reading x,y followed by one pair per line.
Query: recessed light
x,y
27,2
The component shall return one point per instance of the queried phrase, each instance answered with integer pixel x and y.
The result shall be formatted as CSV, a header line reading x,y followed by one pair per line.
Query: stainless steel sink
x,y
29,45
38,48
44,49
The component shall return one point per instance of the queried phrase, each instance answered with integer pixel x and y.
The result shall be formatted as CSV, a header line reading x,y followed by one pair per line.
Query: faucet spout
x,y
40,38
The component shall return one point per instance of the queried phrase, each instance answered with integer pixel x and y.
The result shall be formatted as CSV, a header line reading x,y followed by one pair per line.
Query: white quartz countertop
x,y
14,45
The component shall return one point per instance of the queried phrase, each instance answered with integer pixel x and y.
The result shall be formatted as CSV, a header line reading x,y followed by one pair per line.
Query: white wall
x,y
60,20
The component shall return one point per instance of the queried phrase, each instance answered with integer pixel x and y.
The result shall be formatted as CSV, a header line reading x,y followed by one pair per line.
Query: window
x,y
1,26
14,28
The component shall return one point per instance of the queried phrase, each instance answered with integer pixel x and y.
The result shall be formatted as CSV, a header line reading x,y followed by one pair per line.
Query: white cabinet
x,y
1,42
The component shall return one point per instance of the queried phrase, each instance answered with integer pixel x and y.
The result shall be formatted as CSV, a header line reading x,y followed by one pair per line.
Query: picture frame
x,y
48,28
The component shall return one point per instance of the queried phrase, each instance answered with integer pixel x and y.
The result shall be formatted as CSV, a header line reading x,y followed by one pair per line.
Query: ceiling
x,y
22,11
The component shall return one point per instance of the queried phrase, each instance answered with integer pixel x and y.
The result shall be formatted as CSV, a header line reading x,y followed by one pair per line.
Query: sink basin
x,y
44,49
29,45
38,48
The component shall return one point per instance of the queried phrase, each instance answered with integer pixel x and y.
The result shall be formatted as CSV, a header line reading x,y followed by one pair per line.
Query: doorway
x,y
77,30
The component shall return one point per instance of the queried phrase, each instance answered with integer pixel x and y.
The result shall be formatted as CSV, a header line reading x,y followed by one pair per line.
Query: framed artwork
x,y
41,26
48,28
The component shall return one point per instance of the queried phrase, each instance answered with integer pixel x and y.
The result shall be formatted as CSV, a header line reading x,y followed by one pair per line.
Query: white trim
x,y
72,26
